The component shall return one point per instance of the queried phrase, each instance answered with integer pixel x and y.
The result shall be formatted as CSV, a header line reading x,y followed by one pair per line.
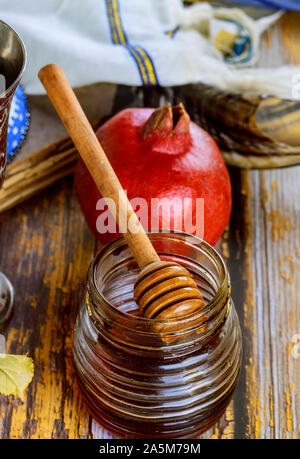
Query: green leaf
x,y
16,372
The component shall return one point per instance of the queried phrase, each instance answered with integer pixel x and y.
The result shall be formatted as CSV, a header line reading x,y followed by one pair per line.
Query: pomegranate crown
x,y
168,129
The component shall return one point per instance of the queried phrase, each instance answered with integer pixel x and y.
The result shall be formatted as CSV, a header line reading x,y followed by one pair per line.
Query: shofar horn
x,y
252,131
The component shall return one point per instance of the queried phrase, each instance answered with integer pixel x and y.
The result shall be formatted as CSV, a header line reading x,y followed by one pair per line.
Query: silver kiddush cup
x,y
12,64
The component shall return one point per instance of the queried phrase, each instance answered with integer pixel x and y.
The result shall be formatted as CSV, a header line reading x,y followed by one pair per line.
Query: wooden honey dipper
x,y
163,289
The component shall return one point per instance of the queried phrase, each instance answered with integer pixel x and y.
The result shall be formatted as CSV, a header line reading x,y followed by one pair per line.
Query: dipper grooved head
x,y
166,290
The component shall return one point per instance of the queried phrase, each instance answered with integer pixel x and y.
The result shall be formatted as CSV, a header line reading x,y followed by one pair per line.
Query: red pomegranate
x,y
159,154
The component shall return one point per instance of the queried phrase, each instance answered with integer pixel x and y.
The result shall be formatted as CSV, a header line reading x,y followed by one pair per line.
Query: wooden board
x,y
46,247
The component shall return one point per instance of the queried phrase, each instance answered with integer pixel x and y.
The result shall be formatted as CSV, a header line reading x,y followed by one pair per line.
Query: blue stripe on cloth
x,y
149,65
113,30
138,64
140,56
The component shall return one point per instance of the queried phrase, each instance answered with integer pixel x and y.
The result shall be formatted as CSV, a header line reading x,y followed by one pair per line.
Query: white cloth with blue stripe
x,y
139,42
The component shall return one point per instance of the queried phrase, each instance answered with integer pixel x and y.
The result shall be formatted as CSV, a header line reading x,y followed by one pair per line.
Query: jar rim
x,y
105,251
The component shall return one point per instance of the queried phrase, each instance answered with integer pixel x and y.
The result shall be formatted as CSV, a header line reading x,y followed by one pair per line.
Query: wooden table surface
x,y
46,248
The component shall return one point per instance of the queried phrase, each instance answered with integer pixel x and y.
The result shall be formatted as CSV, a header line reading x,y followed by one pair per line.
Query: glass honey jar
x,y
147,378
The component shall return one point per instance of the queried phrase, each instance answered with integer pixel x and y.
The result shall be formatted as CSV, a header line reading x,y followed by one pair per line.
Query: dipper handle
x,y
76,123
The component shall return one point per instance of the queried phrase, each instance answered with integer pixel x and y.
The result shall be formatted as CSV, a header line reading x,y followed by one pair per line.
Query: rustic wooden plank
x,y
273,373
271,316
263,241
48,252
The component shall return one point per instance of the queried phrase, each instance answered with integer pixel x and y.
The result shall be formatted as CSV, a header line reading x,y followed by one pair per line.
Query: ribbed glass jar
x,y
140,378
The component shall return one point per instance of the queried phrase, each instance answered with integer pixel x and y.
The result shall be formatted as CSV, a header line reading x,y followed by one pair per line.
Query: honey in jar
x,y
145,378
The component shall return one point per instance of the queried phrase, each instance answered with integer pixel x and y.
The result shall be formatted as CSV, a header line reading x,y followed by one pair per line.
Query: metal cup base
x,y
6,299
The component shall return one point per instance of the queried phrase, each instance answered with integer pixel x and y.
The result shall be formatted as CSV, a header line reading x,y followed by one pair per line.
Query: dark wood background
x,y
46,247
